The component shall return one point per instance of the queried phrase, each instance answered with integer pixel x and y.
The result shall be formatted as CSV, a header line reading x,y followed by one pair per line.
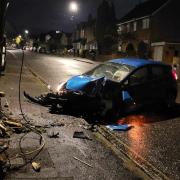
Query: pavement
x,y
151,146
59,157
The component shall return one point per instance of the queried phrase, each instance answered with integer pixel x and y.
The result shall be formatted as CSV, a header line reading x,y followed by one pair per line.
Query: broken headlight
x,y
61,86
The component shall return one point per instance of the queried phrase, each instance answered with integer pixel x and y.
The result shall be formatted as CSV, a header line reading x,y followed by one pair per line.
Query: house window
x,y
135,26
119,29
145,23
82,33
128,27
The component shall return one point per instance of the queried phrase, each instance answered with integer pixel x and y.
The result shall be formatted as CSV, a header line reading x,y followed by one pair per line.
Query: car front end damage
x,y
84,96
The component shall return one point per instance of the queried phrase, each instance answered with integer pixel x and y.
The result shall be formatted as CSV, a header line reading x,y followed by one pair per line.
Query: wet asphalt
x,y
154,137
59,157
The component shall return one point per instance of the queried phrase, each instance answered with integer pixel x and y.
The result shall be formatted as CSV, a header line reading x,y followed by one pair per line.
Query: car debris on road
x,y
124,127
82,162
53,134
36,166
81,135
90,103
9,126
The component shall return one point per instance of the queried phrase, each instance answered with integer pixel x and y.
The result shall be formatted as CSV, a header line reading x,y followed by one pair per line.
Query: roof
x,y
144,9
135,62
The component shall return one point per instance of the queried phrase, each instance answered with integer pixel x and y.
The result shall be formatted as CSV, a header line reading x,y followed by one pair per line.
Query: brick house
x,y
66,40
84,36
152,29
90,30
77,37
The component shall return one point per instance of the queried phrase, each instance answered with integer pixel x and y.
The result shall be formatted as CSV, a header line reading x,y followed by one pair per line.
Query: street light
x,y
26,38
26,32
73,6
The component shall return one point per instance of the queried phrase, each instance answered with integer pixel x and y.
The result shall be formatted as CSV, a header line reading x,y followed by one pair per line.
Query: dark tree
x,y
106,30
3,5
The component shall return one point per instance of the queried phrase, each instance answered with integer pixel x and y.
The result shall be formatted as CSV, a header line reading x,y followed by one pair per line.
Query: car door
x,y
158,80
138,85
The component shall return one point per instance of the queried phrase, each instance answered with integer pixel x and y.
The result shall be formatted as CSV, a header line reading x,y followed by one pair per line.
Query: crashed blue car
x,y
115,87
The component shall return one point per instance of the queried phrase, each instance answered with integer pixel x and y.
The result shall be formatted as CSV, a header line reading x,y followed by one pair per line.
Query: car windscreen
x,y
112,71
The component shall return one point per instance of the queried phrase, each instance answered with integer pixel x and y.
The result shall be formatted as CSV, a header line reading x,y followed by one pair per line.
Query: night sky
x,y
45,15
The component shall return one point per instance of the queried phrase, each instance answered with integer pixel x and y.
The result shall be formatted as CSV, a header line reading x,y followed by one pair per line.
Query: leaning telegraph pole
x,y
3,8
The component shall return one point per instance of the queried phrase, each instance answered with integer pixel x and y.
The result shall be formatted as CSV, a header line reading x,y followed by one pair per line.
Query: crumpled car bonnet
x,y
78,83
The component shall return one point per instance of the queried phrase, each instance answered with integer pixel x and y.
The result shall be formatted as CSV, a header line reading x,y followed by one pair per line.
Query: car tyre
x,y
171,99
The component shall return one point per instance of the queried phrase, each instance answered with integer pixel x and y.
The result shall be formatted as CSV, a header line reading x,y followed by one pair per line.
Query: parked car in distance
x,y
41,49
127,83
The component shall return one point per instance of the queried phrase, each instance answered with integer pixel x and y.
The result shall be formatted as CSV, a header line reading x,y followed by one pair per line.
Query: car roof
x,y
136,62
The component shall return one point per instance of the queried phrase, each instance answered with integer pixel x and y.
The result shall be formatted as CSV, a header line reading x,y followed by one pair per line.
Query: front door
x,y
158,53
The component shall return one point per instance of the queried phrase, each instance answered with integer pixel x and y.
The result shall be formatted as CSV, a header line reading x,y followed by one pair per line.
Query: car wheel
x,y
171,99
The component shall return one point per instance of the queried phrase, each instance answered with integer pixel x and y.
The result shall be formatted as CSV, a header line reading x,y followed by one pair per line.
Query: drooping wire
x,y
27,124
19,92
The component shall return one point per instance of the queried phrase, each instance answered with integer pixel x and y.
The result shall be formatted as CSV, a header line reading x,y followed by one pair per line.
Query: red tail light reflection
x,y
174,75
135,120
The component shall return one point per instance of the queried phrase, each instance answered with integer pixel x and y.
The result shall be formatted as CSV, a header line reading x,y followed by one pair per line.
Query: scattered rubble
x,y
81,135
16,162
36,166
3,146
91,127
2,94
6,105
57,124
82,162
8,126
53,134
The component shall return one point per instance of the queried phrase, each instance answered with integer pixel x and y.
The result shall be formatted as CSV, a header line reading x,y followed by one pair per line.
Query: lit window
x,y
119,29
145,23
82,33
128,27
135,26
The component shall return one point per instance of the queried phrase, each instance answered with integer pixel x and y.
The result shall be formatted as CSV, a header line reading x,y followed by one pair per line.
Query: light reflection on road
x,y
138,136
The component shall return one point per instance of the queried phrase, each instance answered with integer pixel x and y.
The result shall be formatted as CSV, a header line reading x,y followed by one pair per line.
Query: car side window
x,y
157,72
139,76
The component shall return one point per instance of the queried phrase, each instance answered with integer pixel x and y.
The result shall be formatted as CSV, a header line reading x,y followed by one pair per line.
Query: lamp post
x,y
73,8
3,8
26,33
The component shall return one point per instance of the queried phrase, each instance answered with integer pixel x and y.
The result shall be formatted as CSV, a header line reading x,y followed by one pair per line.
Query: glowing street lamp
x,y
73,6
26,32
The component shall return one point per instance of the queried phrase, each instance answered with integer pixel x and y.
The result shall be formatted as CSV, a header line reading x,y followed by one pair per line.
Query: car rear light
x,y
174,75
